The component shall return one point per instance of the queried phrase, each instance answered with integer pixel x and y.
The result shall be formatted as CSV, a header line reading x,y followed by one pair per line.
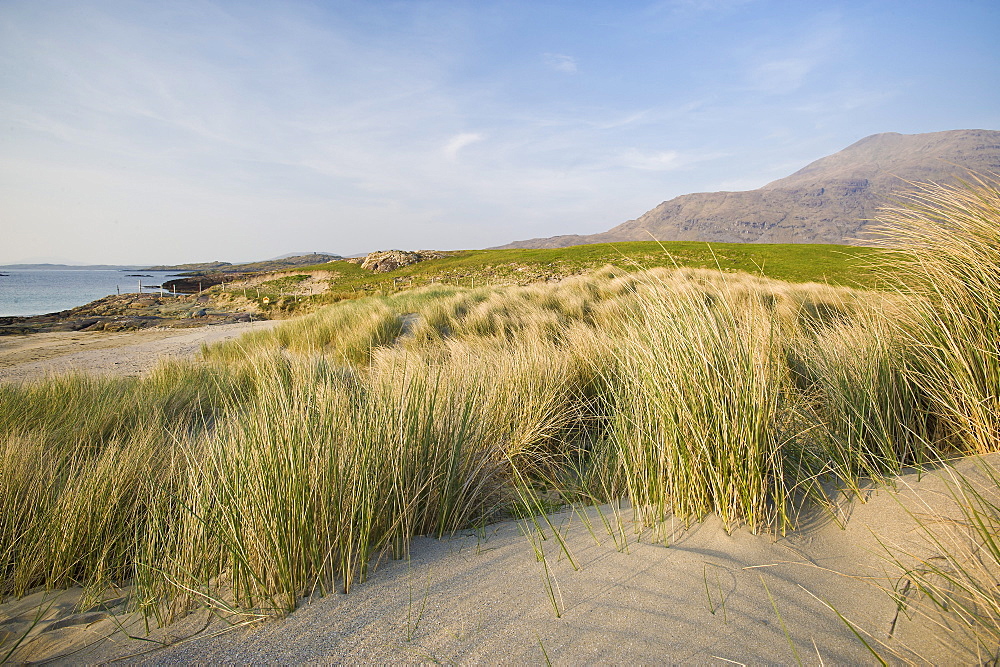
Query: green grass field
x,y
850,266
834,264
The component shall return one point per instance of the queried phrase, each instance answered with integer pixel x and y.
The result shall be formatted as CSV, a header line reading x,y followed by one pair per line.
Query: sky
x,y
137,132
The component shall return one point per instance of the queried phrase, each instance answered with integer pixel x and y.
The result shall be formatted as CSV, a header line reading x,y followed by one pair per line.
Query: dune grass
x,y
948,240
290,461
698,392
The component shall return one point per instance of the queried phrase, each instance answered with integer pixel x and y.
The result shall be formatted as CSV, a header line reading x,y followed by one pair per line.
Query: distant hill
x,y
828,201
71,267
251,267
304,254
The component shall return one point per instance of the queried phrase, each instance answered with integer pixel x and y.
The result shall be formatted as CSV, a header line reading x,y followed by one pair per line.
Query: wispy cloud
x,y
460,141
655,161
560,62
670,160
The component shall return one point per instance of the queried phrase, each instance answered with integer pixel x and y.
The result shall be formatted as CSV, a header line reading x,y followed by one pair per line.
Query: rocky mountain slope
x,y
829,201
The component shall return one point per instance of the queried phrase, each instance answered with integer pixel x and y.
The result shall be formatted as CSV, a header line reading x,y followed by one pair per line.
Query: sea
x,y
38,292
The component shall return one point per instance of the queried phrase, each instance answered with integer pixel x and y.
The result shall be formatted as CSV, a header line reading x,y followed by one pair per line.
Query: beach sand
x,y
707,597
133,353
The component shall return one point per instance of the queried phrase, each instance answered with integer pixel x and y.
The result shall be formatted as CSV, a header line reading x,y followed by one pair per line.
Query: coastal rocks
x,y
384,261
129,312
195,284
125,324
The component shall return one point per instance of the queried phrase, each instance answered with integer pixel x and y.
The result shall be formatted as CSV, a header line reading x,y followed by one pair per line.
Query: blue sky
x,y
190,130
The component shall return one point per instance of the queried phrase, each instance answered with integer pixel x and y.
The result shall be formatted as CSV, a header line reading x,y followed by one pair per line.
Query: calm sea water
x,y
30,292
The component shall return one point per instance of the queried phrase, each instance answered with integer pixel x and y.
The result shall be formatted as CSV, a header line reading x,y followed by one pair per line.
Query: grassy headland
x,y
287,462
849,266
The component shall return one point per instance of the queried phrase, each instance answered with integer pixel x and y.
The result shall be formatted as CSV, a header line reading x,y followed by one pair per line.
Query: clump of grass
x,y
871,415
698,396
949,239
326,473
85,461
348,332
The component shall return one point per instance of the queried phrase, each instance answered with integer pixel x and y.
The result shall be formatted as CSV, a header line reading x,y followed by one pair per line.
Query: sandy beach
x,y
702,597
130,353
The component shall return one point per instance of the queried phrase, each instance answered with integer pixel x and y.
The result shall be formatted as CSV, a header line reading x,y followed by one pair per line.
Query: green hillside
x,y
850,266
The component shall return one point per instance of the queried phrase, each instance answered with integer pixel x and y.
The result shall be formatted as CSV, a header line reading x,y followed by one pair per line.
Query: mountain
x,y
831,200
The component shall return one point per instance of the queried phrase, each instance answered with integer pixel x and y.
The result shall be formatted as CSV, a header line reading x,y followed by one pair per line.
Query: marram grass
x,y
291,461
698,391
949,239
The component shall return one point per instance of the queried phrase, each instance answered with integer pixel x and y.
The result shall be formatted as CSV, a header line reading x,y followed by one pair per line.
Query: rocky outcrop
x,y
383,261
196,284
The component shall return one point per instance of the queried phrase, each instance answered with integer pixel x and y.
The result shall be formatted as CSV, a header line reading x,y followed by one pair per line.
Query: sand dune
x,y
708,597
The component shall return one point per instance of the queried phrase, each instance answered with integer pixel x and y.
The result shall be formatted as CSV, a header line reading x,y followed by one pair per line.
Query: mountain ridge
x,y
830,200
